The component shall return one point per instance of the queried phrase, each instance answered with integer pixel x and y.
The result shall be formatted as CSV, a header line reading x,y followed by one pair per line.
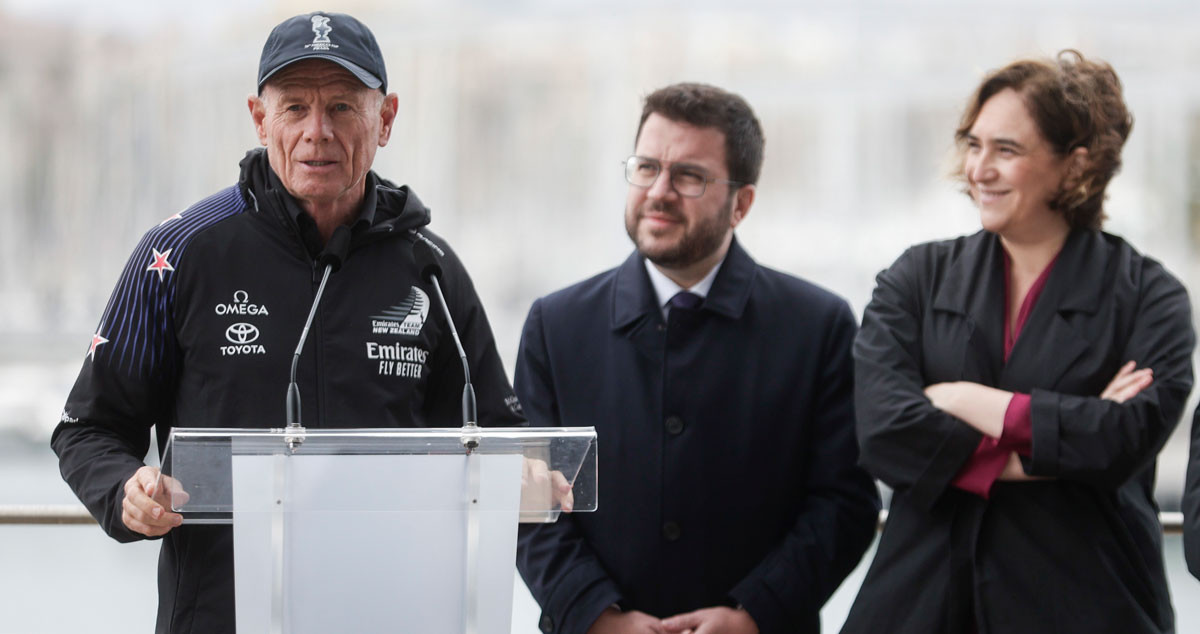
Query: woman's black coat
x,y
1078,552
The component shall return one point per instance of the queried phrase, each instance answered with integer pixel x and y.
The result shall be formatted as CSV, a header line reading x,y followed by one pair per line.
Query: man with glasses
x,y
721,394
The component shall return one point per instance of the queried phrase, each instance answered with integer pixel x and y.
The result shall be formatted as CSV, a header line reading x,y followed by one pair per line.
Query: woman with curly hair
x,y
1015,386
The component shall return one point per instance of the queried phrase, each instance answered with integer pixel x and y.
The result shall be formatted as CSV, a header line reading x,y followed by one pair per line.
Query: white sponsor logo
x,y
406,318
320,26
396,352
397,360
420,236
242,333
67,418
253,348
242,336
514,405
241,306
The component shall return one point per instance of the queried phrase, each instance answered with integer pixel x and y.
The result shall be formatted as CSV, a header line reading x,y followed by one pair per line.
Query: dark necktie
x,y
686,300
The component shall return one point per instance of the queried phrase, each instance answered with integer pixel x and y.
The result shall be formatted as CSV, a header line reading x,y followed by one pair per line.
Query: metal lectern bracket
x,y
470,437
293,437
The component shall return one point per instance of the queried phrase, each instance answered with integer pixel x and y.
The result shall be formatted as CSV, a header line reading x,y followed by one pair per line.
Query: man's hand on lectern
x,y
146,508
542,489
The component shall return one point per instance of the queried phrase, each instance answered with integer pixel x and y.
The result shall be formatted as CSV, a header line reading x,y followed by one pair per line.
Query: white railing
x,y
44,514
1172,523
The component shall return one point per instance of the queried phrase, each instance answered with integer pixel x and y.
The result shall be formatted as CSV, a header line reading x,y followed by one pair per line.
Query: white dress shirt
x,y
665,288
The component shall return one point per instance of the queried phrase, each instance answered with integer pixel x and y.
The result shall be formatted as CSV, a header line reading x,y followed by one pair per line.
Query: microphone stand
x,y
335,253
295,430
470,438
430,272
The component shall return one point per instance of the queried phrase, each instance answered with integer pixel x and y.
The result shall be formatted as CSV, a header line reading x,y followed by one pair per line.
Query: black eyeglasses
x,y
687,180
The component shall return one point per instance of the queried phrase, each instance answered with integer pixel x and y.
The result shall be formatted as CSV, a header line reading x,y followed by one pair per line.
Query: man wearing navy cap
x,y
201,327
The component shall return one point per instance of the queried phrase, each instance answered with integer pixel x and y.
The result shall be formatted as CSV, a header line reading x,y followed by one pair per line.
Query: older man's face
x,y
321,127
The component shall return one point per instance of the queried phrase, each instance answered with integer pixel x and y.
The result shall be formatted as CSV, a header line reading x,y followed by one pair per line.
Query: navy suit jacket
x,y
727,456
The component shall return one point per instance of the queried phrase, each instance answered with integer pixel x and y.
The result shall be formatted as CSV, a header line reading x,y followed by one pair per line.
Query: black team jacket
x,y
200,332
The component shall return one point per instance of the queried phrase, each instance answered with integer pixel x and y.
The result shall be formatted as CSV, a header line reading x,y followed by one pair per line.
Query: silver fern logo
x,y
320,26
406,318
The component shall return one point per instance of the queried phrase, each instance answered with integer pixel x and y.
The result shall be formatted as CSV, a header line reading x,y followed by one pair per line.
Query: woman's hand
x,y
1014,471
1128,382
979,406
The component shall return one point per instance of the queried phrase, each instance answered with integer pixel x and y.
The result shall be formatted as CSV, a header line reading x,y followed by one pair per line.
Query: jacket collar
x,y
386,207
1080,284
970,284
973,286
634,297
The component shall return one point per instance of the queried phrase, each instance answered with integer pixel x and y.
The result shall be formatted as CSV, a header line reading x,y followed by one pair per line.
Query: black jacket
x,y
1191,501
1079,552
725,446
200,332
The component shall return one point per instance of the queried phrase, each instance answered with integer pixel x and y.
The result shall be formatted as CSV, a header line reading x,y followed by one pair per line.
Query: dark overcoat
x,y
727,456
1078,552
1191,501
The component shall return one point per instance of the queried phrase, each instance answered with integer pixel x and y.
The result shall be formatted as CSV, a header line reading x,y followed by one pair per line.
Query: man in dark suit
x,y
721,393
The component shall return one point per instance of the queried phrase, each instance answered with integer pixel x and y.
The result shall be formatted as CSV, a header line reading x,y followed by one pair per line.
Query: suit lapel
x,y
635,311
970,307
1053,338
731,289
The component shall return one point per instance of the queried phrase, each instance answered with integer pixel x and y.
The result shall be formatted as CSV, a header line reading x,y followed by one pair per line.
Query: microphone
x,y
332,258
427,261
336,249
430,272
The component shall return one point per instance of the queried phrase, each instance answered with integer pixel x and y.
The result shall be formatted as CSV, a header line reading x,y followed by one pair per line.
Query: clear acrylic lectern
x,y
377,530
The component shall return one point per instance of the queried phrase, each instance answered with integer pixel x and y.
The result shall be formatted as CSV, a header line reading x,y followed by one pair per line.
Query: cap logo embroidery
x,y
320,26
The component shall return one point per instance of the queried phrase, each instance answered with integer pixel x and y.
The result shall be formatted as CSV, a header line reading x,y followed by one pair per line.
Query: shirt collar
x,y
665,288
634,297
366,213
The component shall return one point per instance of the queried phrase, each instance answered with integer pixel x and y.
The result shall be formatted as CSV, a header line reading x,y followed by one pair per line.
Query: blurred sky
x,y
515,117
131,15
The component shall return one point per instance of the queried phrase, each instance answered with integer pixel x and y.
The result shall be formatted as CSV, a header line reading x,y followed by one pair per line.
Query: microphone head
x,y
426,261
336,249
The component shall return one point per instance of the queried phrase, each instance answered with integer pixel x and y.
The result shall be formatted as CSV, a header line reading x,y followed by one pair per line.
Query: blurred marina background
x,y
514,119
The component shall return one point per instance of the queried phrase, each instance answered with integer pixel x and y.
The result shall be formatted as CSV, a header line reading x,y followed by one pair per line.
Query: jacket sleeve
x,y
837,521
1191,503
558,566
1101,442
496,403
904,440
125,386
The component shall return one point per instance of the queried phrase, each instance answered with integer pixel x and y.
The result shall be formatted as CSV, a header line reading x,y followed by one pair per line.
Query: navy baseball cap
x,y
335,37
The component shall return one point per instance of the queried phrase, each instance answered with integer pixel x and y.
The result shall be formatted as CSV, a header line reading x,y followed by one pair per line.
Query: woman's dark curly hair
x,y
1076,102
